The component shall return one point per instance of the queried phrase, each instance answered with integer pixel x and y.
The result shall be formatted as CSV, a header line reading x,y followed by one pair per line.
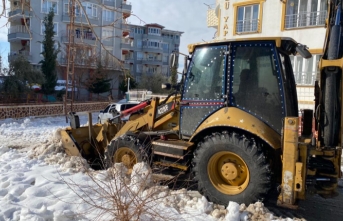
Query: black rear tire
x,y
331,115
218,188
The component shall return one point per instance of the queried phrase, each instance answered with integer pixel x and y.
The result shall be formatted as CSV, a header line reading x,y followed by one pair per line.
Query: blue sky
x,y
188,16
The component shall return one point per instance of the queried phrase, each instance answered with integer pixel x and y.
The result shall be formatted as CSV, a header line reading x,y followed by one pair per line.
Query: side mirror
x,y
302,50
166,86
102,111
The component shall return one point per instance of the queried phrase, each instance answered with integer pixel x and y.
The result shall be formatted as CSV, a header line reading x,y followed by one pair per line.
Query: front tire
x,y
229,167
128,150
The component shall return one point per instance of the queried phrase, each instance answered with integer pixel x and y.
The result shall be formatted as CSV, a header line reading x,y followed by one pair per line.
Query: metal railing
x,y
24,53
18,29
305,19
305,78
247,26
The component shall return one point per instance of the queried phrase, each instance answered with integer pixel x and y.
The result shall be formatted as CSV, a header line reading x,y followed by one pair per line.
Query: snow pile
x,y
41,138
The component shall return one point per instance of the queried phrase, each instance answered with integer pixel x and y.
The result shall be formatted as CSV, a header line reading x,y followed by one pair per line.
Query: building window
x,y
107,15
139,43
47,5
248,17
165,47
139,68
139,56
55,28
154,31
77,9
304,13
165,71
153,44
90,9
165,58
137,30
152,70
305,70
107,34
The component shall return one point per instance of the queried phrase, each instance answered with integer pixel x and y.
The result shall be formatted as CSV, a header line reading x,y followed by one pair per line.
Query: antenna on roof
x,y
209,7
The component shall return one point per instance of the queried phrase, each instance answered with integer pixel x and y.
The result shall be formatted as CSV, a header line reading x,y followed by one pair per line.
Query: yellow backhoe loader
x,y
232,123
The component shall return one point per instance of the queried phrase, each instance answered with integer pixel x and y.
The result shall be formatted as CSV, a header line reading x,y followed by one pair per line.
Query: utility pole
x,y
0,64
70,58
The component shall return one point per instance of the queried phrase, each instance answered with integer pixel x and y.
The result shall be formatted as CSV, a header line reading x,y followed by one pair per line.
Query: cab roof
x,y
277,40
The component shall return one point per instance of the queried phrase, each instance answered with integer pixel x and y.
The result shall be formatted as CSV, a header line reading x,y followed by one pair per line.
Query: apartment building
x,y
302,20
146,49
100,26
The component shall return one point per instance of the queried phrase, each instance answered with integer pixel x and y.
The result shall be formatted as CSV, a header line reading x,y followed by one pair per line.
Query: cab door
x,y
205,87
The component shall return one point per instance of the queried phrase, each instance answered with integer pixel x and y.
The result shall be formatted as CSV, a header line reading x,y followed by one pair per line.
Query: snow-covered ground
x,y
39,182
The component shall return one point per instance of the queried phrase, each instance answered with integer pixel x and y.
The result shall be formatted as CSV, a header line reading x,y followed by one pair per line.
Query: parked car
x,y
119,106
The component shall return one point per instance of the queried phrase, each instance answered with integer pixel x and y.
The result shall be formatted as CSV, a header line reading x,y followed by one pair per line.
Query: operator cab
x,y
249,75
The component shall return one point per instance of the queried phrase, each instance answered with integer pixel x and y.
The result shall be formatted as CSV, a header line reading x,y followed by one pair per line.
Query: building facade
x,y
147,48
99,30
302,20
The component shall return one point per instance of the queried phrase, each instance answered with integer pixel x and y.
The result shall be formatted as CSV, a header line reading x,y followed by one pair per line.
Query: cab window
x,y
205,76
256,85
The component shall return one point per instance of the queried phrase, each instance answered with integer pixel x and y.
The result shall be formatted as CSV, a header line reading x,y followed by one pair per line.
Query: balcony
x,y
152,61
80,62
151,49
18,13
126,43
15,54
79,18
212,19
18,32
109,2
126,9
305,19
126,29
127,65
80,37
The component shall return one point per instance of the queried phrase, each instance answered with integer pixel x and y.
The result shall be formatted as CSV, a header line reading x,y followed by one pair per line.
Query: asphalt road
x,y
314,208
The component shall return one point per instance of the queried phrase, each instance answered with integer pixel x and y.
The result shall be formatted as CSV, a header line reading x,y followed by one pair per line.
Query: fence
x,y
36,110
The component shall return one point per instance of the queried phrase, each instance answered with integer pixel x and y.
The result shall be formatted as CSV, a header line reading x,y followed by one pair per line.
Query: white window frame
x,y
151,70
154,44
43,27
139,68
90,7
154,31
139,56
107,15
78,11
312,17
139,43
45,10
305,70
107,34
248,24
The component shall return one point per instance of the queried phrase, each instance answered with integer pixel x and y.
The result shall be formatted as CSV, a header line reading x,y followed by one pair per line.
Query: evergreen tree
x,y
99,83
173,77
49,55
123,84
20,77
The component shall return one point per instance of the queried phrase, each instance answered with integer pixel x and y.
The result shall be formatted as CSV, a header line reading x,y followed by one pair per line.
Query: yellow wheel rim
x,y
126,156
228,173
